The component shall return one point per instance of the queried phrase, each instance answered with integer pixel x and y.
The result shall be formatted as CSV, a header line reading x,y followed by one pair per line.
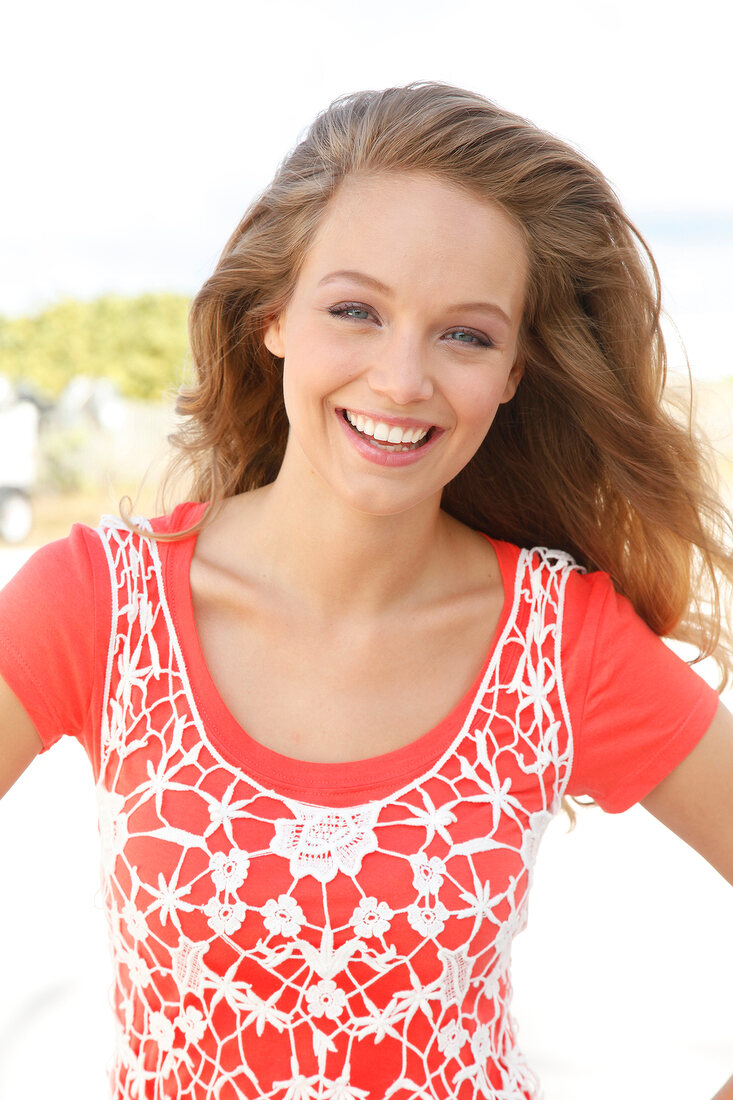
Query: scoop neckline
x,y
339,781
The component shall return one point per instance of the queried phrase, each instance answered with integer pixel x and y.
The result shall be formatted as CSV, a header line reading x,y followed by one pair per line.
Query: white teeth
x,y
384,433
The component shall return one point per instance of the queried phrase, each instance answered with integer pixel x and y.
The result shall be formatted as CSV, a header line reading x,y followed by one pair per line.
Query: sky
x,y
135,134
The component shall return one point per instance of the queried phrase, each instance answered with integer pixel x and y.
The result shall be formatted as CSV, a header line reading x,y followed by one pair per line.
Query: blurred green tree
x,y
140,344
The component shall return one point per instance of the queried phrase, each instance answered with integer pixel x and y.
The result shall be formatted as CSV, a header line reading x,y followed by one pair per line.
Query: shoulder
x,y
60,565
545,566
112,527
584,599
536,559
54,619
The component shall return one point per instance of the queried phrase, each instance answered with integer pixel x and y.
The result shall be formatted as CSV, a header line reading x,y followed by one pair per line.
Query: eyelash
x,y
342,311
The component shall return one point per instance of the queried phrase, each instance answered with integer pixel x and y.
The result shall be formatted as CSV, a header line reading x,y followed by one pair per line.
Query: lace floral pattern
x,y
266,947
322,842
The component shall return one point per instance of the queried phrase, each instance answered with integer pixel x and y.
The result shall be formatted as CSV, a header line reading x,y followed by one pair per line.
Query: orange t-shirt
x,y
282,928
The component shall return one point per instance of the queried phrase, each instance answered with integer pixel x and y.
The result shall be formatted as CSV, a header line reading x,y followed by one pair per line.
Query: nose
x,y
400,372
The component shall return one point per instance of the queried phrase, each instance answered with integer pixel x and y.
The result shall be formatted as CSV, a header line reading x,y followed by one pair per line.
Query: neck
x,y
330,557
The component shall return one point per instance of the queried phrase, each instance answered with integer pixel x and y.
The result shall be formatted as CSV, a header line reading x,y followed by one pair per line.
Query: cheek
x,y
480,402
316,374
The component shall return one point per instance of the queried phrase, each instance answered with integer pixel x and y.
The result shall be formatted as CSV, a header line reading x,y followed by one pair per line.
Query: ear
x,y
274,338
515,377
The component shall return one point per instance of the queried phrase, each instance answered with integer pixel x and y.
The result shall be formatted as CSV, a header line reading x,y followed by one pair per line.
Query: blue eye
x,y
474,340
350,311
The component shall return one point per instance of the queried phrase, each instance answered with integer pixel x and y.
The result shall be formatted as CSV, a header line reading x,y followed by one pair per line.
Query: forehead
x,y
412,231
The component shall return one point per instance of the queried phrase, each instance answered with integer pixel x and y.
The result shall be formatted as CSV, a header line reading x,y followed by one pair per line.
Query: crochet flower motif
x,y
283,917
229,872
225,917
192,1024
428,921
427,873
326,999
481,1043
322,841
139,970
371,918
161,1029
451,1038
134,921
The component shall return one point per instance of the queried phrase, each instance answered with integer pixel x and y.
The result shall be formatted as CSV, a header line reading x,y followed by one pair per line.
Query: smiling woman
x,y
439,519
406,357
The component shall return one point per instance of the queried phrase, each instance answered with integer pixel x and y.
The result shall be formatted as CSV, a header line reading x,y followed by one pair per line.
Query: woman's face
x,y
400,339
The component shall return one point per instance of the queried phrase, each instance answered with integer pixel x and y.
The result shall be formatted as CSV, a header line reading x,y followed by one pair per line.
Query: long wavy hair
x,y
588,457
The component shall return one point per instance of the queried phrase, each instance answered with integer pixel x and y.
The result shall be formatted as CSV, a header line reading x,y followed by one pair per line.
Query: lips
x,y
384,452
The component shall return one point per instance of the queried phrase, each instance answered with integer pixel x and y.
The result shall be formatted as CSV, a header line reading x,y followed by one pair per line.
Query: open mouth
x,y
407,439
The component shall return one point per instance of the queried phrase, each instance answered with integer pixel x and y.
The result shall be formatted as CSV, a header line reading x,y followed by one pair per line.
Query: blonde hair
x,y
586,457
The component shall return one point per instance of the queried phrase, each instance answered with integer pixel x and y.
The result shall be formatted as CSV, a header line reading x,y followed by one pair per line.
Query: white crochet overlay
x,y
268,947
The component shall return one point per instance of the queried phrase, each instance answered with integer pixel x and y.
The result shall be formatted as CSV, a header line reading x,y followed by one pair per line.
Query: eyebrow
x,y
369,280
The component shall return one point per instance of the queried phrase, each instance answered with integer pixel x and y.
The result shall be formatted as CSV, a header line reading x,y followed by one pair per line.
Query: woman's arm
x,y
696,802
19,741
696,798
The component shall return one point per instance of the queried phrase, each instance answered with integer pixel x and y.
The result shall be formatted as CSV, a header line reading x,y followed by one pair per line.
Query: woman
x,y
437,523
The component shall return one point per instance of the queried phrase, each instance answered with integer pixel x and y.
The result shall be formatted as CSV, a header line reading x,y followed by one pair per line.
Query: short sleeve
x,y
53,616
636,708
